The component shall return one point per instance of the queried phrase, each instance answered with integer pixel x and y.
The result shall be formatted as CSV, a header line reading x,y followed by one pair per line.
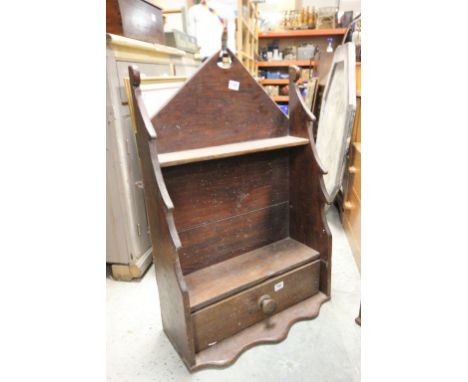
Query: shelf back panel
x,y
212,243
218,106
229,206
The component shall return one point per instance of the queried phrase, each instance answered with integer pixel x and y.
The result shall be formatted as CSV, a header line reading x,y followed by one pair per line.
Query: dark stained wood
x,y
207,192
173,294
136,19
176,158
217,115
240,311
215,282
226,230
270,331
308,196
219,241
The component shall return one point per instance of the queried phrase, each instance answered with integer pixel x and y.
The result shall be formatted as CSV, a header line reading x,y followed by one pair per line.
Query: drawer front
x,y
227,317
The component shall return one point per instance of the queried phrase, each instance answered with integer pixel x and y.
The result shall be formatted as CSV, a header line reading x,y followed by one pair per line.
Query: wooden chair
x,y
236,206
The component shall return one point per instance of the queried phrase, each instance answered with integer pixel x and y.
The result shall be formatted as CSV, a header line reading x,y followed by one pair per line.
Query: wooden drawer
x,y
235,313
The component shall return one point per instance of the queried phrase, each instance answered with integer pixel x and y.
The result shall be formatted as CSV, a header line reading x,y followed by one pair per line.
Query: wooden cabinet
x,y
236,209
128,237
136,19
351,207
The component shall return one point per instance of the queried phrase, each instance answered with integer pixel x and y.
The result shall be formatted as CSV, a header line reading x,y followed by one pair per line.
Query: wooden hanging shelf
x,y
287,63
304,33
242,249
233,149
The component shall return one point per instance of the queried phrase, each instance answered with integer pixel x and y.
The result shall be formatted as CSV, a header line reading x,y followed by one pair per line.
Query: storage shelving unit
x,y
235,199
303,33
285,63
317,37
247,34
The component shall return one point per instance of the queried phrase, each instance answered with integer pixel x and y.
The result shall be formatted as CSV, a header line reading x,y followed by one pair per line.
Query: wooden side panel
x,y
173,294
238,312
308,196
206,192
208,111
211,243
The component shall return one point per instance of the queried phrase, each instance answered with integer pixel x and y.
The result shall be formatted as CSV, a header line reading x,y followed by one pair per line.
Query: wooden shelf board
x,y
274,82
277,64
226,278
229,150
278,82
280,98
303,33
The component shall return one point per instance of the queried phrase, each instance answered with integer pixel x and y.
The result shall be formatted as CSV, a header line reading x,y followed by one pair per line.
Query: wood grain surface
x,y
209,244
207,192
272,330
206,112
136,19
224,151
231,315
213,283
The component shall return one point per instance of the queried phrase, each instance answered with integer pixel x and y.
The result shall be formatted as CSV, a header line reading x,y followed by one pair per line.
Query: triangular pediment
x,y
218,106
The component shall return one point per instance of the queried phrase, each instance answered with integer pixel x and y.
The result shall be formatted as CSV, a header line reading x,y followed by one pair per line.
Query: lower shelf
x,y
223,279
272,330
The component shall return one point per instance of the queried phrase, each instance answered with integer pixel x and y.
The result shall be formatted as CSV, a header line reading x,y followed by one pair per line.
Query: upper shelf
x,y
275,64
224,151
304,33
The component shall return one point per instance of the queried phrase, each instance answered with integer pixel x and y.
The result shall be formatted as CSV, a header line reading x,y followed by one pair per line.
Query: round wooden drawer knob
x,y
267,304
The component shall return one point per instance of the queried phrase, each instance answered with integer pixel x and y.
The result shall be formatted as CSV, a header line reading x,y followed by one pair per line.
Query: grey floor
x,y
327,349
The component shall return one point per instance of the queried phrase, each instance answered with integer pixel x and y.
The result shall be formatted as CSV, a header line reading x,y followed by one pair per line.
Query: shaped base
x,y
272,330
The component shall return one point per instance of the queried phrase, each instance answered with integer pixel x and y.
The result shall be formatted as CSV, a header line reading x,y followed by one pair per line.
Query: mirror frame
x,y
345,54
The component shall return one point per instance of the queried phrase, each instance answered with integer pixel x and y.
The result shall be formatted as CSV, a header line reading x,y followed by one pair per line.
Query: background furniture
x,y
351,206
138,19
128,240
247,34
236,207
317,37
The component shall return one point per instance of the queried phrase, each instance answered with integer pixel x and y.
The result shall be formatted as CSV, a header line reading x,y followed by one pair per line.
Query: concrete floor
x,y
327,349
